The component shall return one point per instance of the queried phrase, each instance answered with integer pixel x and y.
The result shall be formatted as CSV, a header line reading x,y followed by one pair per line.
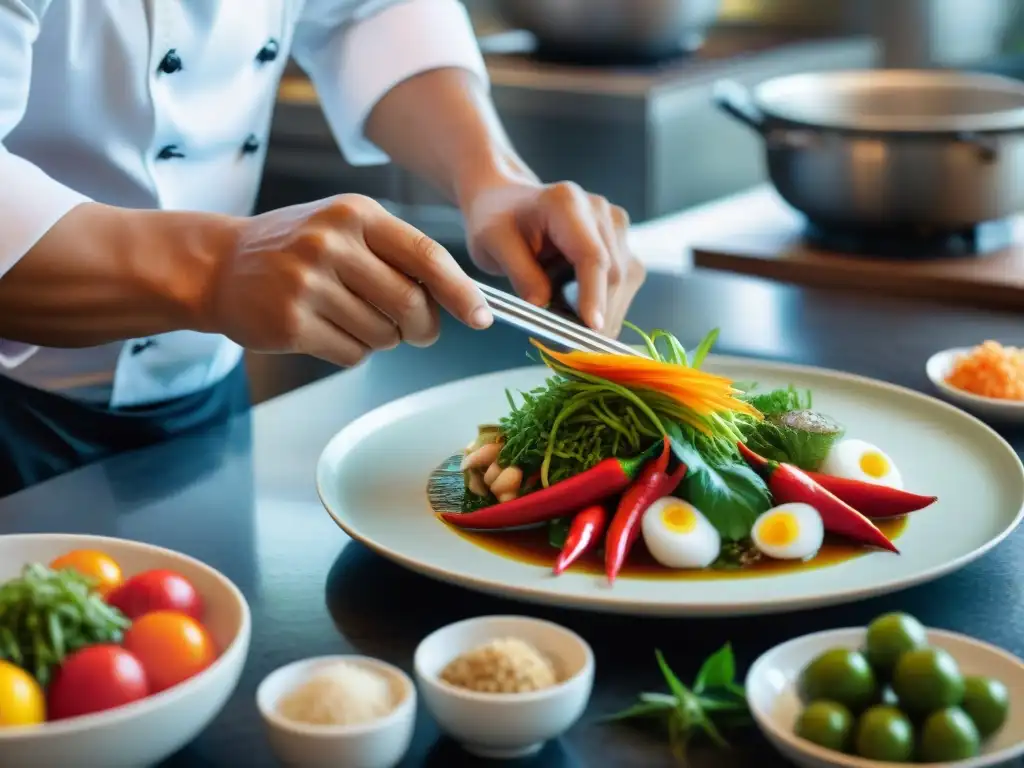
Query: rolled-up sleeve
x,y
30,201
355,52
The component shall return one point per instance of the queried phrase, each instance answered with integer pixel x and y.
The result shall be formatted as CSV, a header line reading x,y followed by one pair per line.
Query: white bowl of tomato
x,y
112,652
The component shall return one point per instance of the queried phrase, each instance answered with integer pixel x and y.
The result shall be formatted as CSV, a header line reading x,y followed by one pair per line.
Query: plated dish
x,y
406,510
655,461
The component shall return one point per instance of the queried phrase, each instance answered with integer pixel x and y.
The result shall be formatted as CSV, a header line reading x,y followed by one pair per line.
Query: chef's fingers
x,y
323,339
402,300
571,227
610,220
340,306
485,261
622,298
633,275
506,246
414,254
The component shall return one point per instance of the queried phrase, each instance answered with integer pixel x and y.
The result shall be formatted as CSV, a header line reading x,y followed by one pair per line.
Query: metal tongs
x,y
550,326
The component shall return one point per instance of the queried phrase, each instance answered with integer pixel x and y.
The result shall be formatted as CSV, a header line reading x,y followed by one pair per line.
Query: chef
x,y
132,273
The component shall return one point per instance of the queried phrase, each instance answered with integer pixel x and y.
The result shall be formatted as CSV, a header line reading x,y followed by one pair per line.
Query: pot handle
x,y
986,148
735,100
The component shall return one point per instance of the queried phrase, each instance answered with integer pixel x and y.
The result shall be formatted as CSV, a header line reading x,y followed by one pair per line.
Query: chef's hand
x,y
510,226
336,279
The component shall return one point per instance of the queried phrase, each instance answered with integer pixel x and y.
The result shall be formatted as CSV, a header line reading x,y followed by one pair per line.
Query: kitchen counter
x,y
242,498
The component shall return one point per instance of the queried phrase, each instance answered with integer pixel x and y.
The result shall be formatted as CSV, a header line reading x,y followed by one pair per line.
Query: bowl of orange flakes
x,y
987,380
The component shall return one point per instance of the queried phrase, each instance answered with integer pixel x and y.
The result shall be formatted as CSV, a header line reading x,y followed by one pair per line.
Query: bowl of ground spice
x,y
502,686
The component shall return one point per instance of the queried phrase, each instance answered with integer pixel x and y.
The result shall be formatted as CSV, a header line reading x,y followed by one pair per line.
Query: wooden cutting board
x,y
772,246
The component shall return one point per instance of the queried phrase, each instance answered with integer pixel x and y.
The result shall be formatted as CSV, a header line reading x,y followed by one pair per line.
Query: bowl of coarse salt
x,y
353,711
502,686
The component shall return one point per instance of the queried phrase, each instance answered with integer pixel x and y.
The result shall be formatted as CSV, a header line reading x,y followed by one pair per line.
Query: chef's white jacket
x,y
167,104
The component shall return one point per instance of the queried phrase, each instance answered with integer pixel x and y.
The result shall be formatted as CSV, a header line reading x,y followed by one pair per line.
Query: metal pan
x,y
611,28
912,148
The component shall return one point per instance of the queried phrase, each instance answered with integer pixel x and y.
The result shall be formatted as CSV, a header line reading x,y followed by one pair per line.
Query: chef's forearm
x,y
102,274
442,126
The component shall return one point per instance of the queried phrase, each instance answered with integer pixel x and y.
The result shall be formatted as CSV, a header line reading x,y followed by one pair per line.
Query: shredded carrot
x,y
703,393
990,370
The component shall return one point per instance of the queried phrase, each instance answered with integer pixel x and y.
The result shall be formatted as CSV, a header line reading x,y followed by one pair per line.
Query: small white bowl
x,y
148,731
772,694
505,726
992,409
378,744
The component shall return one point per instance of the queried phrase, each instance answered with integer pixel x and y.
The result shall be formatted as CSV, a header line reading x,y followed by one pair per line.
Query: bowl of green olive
x,y
891,693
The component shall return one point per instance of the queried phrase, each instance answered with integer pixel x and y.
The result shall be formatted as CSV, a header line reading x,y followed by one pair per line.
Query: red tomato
x,y
157,590
171,646
96,565
94,679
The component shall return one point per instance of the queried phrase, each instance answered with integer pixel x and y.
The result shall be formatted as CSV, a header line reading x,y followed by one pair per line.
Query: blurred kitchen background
x,y
622,102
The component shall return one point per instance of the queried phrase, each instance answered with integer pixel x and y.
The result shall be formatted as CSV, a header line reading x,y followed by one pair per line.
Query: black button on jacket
x,y
268,52
168,152
170,63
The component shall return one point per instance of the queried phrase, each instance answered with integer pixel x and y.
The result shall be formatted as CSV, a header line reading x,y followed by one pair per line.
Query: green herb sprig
x,y
715,701
46,615
778,401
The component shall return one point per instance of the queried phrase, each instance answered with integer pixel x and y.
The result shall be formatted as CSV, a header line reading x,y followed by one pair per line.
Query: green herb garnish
x,y
715,697
575,420
803,438
729,493
47,615
777,401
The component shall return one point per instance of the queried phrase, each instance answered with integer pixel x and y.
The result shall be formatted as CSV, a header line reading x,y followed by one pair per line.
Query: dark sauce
x,y
531,547
446,494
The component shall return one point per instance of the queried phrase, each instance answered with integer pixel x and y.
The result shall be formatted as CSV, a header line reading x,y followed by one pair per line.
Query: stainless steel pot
x,y
928,148
613,27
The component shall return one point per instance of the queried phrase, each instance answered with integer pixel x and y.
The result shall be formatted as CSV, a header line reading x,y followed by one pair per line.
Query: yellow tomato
x,y
21,699
96,565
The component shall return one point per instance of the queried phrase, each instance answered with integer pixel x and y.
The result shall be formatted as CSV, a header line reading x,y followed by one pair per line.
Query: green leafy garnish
x,y
47,615
803,438
777,401
717,482
686,712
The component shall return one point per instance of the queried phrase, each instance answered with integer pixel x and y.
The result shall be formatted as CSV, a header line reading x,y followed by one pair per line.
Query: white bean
x,y
492,474
483,456
509,481
476,484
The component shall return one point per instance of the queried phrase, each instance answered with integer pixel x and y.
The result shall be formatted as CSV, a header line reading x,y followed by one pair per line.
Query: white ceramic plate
x,y
771,691
372,479
989,408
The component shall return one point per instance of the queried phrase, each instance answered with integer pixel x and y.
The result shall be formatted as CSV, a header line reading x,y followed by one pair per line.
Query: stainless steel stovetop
x,y
643,134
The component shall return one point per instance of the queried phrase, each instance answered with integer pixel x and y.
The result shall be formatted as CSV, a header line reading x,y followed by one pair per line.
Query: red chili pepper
x,y
791,484
871,500
602,481
584,534
652,484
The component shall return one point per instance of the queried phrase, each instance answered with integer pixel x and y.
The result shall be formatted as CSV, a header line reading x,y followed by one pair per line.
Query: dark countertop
x,y
242,498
